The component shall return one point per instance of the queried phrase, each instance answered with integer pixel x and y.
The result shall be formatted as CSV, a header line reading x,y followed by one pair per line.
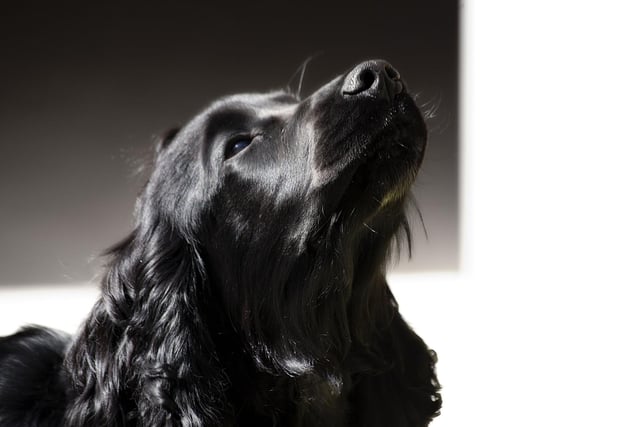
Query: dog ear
x,y
145,342
165,139
395,372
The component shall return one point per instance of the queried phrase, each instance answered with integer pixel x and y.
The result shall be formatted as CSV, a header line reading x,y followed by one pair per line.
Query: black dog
x,y
252,290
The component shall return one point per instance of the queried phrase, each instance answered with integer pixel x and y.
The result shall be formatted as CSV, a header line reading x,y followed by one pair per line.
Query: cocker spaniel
x,y
252,289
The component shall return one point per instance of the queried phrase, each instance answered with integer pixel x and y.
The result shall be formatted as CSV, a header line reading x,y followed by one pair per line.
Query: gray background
x,y
84,87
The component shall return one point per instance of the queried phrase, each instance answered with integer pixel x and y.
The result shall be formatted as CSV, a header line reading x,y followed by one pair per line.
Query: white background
x,y
540,327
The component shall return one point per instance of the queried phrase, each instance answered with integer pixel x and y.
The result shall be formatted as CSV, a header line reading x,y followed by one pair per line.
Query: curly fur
x,y
251,291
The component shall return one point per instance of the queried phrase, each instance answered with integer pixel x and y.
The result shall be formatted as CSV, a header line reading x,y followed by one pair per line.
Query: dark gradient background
x,y
85,86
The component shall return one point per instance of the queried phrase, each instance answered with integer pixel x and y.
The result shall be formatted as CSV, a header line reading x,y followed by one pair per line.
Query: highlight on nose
x,y
375,78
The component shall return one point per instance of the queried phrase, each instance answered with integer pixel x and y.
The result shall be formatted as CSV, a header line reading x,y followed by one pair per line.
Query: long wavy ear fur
x,y
147,328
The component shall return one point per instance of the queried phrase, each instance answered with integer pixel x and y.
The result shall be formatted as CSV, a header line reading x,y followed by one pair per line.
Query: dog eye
x,y
236,145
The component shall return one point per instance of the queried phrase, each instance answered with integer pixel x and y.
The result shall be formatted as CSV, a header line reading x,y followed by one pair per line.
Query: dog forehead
x,y
258,105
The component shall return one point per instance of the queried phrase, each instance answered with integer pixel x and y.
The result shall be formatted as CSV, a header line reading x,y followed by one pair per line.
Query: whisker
x,y
304,68
300,71
431,107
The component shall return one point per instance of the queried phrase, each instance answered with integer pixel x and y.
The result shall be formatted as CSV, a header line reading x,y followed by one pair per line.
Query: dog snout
x,y
374,78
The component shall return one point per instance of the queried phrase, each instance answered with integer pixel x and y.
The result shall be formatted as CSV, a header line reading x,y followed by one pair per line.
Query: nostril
x,y
367,78
359,80
391,72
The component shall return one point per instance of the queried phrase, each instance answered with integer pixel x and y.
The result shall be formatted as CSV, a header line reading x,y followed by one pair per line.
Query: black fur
x,y
251,291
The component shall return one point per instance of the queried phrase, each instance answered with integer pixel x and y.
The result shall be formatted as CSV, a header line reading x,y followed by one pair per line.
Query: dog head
x,y
290,205
266,168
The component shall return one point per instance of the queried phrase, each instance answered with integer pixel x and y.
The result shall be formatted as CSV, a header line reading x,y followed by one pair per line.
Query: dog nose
x,y
374,78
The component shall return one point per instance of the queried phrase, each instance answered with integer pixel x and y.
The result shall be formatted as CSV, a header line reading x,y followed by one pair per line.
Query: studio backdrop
x,y
85,87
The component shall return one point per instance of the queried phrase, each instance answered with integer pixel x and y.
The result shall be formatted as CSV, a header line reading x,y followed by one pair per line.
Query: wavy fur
x,y
251,291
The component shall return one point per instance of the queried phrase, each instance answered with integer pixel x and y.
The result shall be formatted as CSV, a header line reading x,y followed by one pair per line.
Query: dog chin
x,y
383,176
